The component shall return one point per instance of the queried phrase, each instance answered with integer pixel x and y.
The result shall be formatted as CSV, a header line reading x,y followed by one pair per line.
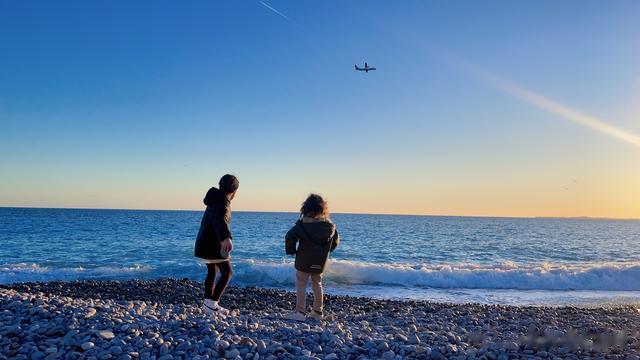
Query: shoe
x,y
212,308
295,315
222,311
315,315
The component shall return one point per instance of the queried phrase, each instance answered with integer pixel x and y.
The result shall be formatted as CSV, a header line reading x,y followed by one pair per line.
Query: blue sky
x,y
145,104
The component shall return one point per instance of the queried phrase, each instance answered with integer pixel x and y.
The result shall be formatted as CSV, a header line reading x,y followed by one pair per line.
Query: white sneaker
x,y
315,315
212,308
295,315
222,311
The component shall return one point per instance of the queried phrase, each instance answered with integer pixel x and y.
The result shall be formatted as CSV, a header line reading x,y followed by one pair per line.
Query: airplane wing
x,y
372,68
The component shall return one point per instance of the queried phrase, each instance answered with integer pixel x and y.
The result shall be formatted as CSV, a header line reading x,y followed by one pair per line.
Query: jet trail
x,y
275,11
545,103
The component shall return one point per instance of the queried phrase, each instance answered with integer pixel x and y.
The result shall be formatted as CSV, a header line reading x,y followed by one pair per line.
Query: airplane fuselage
x,y
366,68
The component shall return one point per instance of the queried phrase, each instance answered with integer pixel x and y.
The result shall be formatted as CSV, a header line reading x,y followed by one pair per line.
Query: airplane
x,y
366,68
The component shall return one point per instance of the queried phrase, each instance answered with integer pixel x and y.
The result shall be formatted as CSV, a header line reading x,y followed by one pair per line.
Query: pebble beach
x,y
163,319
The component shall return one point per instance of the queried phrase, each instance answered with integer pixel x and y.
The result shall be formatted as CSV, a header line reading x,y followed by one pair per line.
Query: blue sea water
x,y
453,259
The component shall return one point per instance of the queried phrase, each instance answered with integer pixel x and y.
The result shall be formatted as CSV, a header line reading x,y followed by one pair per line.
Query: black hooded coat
x,y
214,227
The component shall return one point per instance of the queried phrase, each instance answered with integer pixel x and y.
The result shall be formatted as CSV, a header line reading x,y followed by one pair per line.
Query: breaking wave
x,y
23,272
508,275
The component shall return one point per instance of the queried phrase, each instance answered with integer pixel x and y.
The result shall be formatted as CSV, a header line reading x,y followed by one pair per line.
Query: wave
x,y
10,273
341,273
508,275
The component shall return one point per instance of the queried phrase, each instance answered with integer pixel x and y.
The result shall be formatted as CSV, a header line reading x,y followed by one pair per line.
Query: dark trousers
x,y
214,292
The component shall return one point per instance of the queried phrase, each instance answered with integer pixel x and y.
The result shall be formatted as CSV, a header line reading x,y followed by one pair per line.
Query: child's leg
x,y
316,284
208,281
226,271
301,291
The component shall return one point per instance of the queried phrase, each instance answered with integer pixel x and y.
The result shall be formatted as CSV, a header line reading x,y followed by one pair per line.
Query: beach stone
x,y
106,334
115,350
57,331
401,337
332,356
37,355
75,355
261,347
383,346
232,354
68,341
222,344
388,355
13,331
91,312
511,346
436,355
87,345
414,339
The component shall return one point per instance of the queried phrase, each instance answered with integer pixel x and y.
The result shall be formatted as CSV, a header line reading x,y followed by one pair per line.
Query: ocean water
x,y
452,259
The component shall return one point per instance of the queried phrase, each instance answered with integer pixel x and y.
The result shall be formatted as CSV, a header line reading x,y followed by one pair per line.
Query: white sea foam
x,y
19,272
507,275
546,276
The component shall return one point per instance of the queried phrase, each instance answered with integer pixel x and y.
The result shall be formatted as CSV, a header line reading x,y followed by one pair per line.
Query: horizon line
x,y
335,213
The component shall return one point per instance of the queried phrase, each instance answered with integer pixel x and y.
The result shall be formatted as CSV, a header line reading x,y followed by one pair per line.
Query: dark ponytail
x,y
229,184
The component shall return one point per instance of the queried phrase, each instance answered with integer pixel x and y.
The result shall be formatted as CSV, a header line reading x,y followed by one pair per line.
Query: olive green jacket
x,y
311,242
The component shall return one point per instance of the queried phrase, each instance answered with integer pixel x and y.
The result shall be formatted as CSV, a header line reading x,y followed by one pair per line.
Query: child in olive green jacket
x,y
316,237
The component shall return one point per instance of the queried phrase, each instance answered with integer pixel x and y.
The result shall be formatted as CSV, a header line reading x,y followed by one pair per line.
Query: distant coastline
x,y
344,213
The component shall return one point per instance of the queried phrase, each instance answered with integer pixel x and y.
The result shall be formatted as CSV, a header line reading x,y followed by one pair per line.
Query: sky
x,y
492,108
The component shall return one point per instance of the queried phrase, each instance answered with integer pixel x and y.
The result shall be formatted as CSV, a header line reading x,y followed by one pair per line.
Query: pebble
x,y
232,354
107,335
91,312
388,355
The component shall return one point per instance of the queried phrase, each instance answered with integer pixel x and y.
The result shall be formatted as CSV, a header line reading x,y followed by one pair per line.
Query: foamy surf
x,y
25,272
508,275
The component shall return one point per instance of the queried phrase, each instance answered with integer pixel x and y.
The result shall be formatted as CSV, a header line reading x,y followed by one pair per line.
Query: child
x,y
316,237
214,243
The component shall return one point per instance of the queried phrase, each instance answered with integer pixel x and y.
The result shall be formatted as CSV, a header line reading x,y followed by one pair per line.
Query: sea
x,y
518,261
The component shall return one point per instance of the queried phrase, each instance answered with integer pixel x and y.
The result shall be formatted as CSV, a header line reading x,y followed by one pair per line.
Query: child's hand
x,y
227,245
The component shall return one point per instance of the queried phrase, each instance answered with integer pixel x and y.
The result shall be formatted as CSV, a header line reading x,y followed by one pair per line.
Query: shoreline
x,y
163,319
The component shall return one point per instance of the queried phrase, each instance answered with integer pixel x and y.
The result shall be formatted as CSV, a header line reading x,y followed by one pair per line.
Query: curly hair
x,y
314,206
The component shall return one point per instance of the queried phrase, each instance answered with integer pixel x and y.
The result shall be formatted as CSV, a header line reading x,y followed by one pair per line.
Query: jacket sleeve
x,y
336,240
221,219
290,241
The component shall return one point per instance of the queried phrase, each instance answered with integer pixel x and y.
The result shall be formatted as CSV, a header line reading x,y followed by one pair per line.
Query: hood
x,y
319,232
215,197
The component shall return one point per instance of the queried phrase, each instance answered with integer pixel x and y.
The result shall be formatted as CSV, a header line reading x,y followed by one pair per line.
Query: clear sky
x,y
500,108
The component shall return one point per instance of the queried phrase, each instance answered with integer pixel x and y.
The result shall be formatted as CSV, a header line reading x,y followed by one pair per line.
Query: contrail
x,y
275,11
546,104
